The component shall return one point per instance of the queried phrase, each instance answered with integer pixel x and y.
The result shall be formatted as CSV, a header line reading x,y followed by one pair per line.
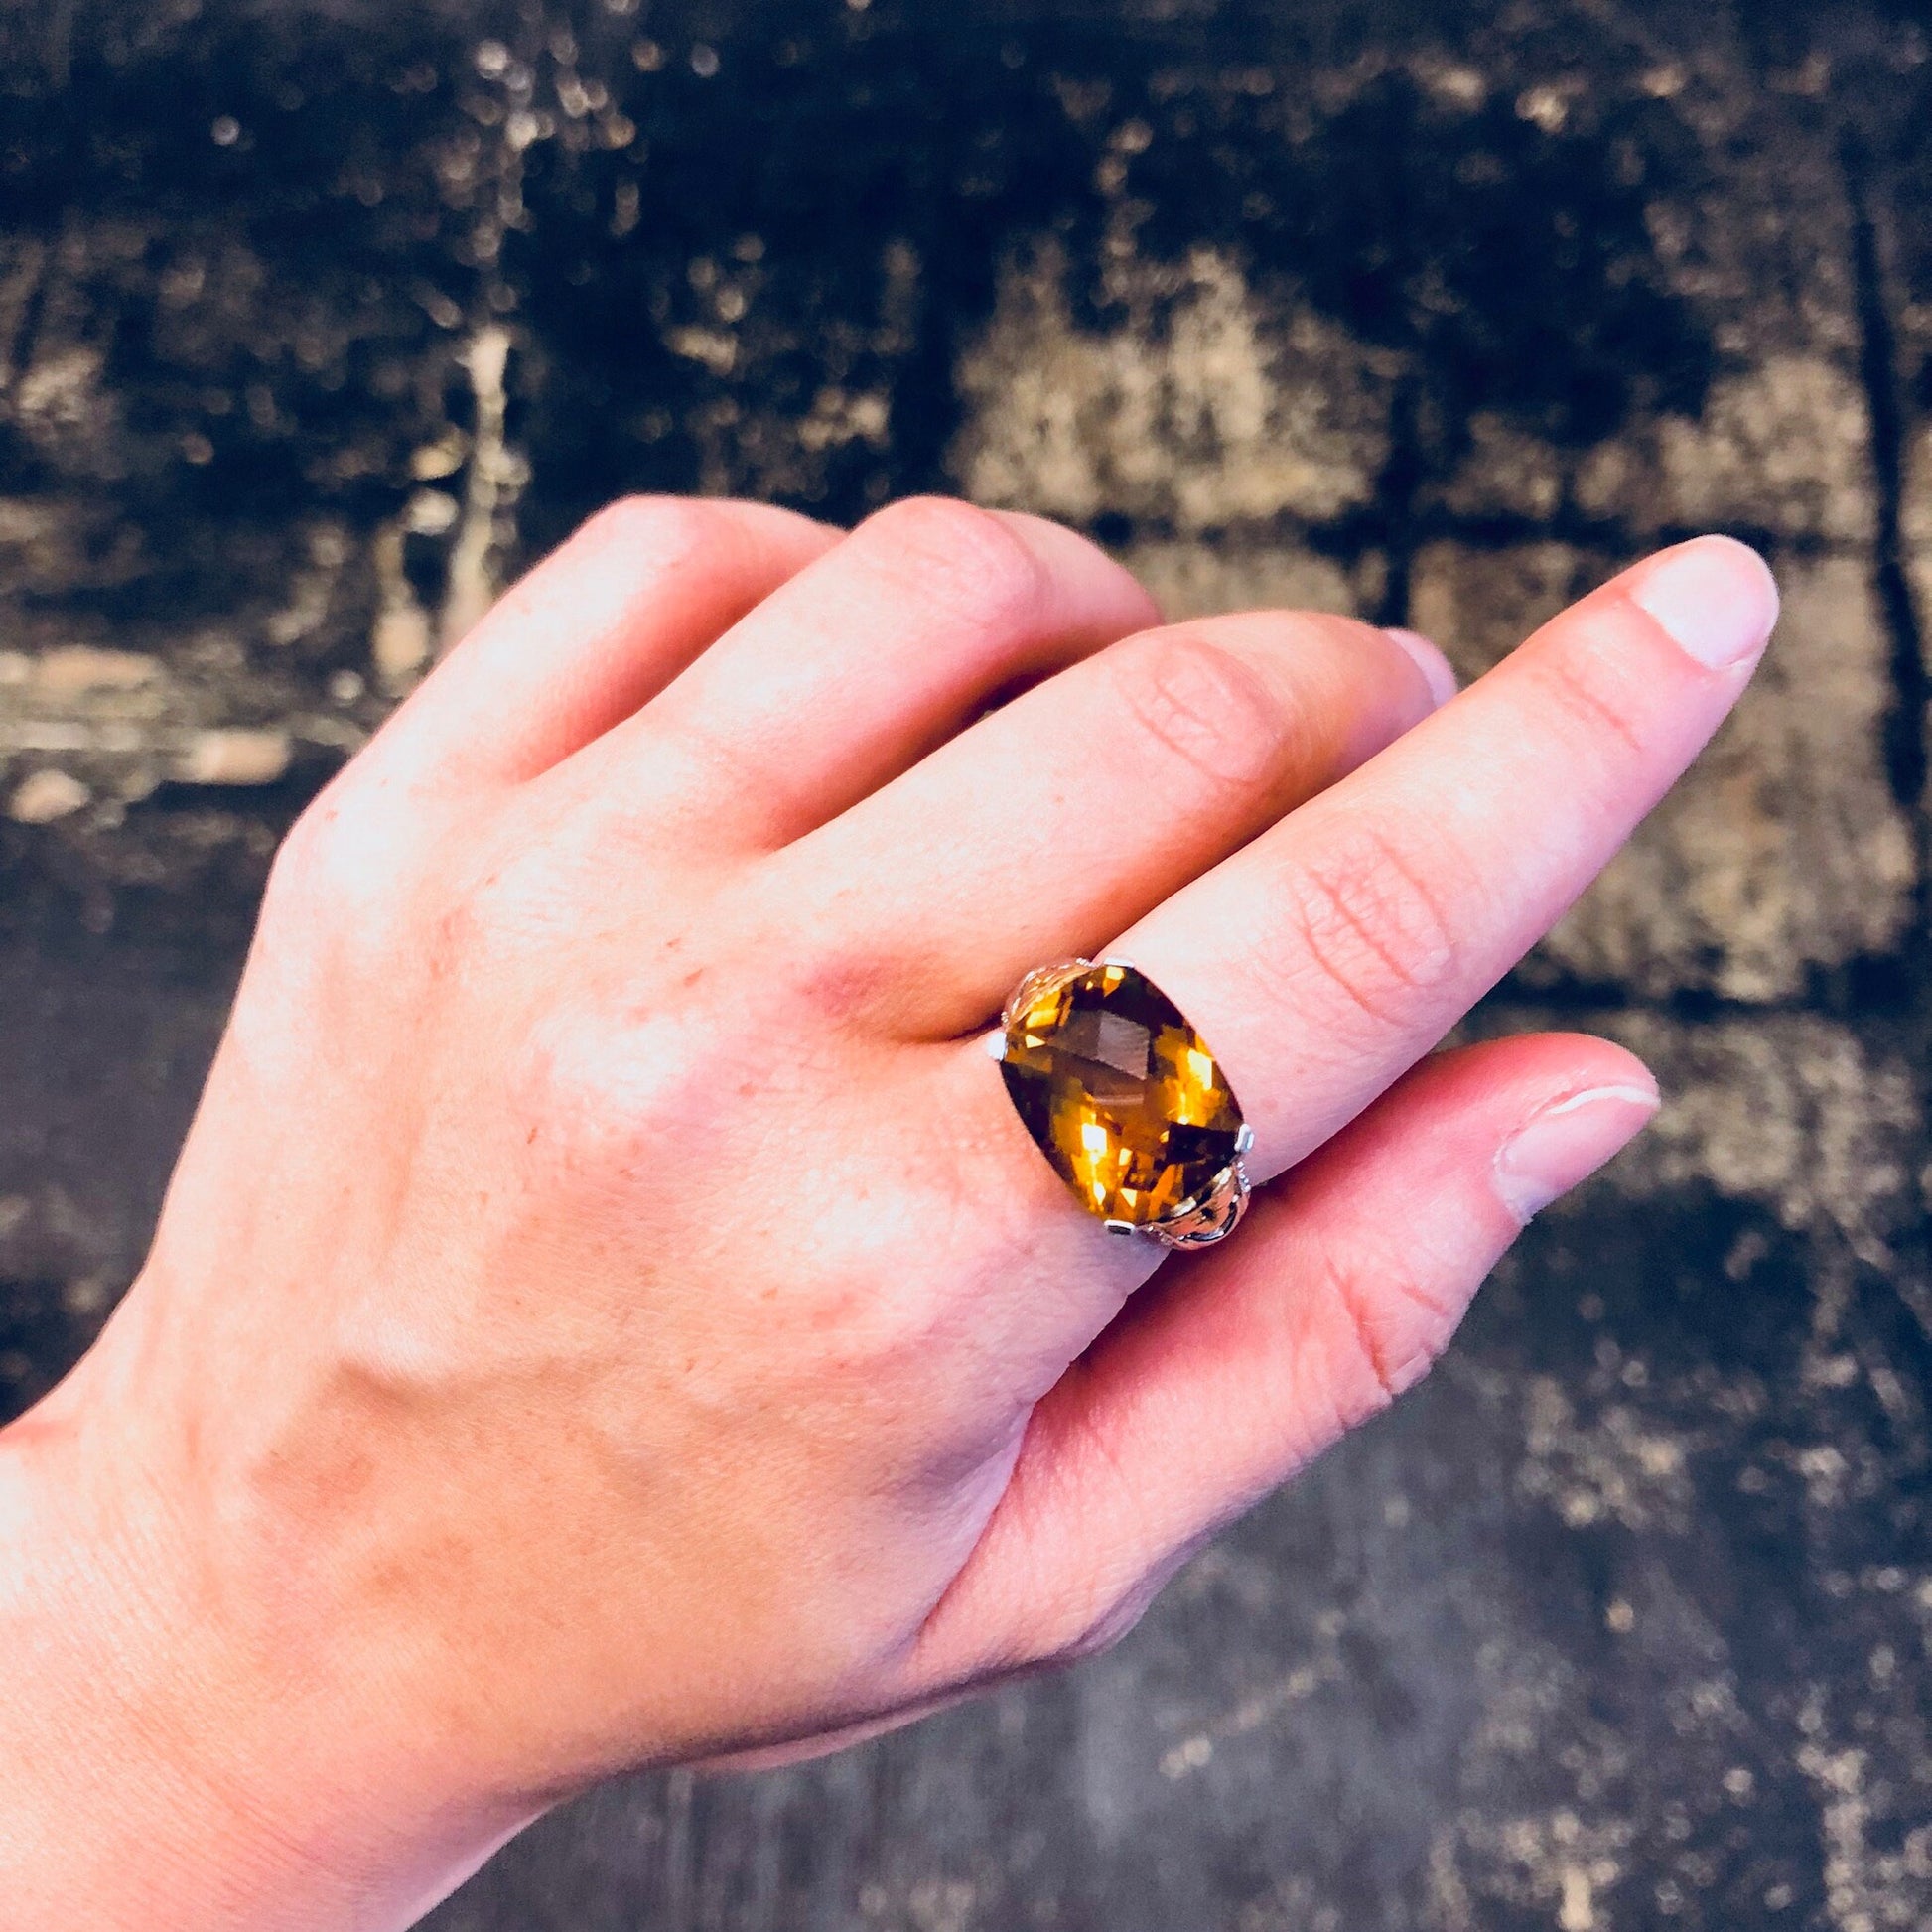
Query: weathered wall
x,y
317,321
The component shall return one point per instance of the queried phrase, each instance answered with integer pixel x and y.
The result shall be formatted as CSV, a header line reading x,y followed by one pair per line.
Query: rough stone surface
x,y
318,321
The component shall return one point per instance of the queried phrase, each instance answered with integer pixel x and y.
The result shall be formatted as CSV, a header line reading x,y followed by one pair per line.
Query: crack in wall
x,y
1905,744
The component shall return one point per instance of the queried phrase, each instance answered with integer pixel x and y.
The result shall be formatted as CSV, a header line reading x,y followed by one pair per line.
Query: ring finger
x,y
1329,955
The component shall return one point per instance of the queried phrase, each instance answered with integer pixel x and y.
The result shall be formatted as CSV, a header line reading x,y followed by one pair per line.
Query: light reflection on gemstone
x,y
1120,1092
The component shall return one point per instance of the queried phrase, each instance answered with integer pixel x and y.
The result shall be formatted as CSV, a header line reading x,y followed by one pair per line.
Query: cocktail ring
x,y
1123,1097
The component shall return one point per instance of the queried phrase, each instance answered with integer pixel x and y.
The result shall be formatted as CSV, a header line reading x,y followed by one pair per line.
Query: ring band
x,y
1121,1094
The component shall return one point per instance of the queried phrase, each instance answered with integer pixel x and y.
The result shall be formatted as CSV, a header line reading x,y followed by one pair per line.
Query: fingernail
x,y
1566,1143
1717,598
1437,672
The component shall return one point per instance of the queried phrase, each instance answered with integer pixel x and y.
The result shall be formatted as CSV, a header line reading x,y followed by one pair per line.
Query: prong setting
x,y
994,1044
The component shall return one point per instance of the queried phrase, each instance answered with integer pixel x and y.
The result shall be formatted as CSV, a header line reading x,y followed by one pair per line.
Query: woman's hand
x,y
607,1310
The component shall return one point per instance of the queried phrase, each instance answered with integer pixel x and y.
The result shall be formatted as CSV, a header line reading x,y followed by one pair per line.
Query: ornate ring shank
x,y
1212,1218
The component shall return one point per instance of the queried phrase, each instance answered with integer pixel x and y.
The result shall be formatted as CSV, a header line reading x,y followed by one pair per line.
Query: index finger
x,y
1329,955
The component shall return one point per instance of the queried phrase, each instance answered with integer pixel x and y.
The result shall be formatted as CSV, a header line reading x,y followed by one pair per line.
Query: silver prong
x,y
1245,1139
1120,1227
994,1044
1118,959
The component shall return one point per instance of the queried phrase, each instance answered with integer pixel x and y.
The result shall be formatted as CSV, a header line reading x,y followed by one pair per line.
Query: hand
x,y
607,1310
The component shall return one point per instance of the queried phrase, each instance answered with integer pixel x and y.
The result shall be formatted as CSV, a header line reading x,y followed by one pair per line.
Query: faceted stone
x,y
1120,1092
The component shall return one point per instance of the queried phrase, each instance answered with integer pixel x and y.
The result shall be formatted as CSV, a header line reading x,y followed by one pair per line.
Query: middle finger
x,y
1084,802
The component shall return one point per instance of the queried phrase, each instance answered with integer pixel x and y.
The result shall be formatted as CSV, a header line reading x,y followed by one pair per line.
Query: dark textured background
x,y
318,318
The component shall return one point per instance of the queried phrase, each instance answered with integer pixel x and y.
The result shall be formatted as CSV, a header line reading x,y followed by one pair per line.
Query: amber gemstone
x,y
1120,1091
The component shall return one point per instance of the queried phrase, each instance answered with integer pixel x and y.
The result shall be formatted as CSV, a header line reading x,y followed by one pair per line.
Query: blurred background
x,y
318,319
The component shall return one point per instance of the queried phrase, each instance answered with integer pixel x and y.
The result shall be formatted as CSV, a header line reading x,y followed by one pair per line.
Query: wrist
x,y
114,1798
165,1769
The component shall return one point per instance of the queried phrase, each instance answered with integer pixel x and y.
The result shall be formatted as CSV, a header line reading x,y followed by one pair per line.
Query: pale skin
x,y
608,1312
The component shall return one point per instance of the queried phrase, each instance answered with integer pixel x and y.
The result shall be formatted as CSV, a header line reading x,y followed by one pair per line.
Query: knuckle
x,y
1208,707
655,524
653,534
385,899
293,872
645,536
967,557
322,935
1394,1327
1575,683
308,869
1370,916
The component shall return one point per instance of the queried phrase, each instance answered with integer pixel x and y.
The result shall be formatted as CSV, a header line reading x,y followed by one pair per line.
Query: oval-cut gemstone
x,y
1120,1091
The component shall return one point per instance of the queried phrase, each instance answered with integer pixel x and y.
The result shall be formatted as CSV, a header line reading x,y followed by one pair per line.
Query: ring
x,y
1123,1097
